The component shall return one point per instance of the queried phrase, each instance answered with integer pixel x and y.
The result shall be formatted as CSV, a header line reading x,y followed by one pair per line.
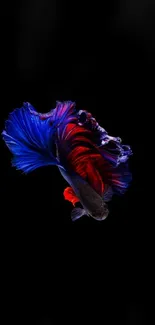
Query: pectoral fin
x,y
77,213
108,193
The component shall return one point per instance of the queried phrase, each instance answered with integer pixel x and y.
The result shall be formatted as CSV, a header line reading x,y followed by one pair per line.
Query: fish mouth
x,y
100,215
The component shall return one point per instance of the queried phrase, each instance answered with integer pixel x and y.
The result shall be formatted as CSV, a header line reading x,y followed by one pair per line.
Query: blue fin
x,y
77,213
108,193
29,139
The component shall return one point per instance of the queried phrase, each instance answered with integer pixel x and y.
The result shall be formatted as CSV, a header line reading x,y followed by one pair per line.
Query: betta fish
x,y
93,163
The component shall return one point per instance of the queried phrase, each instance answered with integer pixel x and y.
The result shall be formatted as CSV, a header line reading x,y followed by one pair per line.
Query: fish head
x,y
100,213
92,203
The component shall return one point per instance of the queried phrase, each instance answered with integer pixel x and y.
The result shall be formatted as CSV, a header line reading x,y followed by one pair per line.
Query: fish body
x,y
92,203
93,163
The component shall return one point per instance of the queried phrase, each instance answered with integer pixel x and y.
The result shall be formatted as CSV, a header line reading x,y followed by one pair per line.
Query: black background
x,y
101,57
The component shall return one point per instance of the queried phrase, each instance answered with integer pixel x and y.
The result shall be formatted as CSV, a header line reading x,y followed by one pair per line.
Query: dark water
x,y
102,57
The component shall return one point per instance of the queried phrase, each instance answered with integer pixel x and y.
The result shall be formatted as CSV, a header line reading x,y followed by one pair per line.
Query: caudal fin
x,y
29,139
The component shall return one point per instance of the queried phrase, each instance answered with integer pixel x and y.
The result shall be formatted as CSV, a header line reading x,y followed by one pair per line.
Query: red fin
x,y
94,178
83,161
70,195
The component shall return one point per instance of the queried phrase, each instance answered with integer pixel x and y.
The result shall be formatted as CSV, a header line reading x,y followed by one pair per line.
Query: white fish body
x,y
93,204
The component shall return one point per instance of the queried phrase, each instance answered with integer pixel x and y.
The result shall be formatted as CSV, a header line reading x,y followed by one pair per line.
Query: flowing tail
x,y
29,139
